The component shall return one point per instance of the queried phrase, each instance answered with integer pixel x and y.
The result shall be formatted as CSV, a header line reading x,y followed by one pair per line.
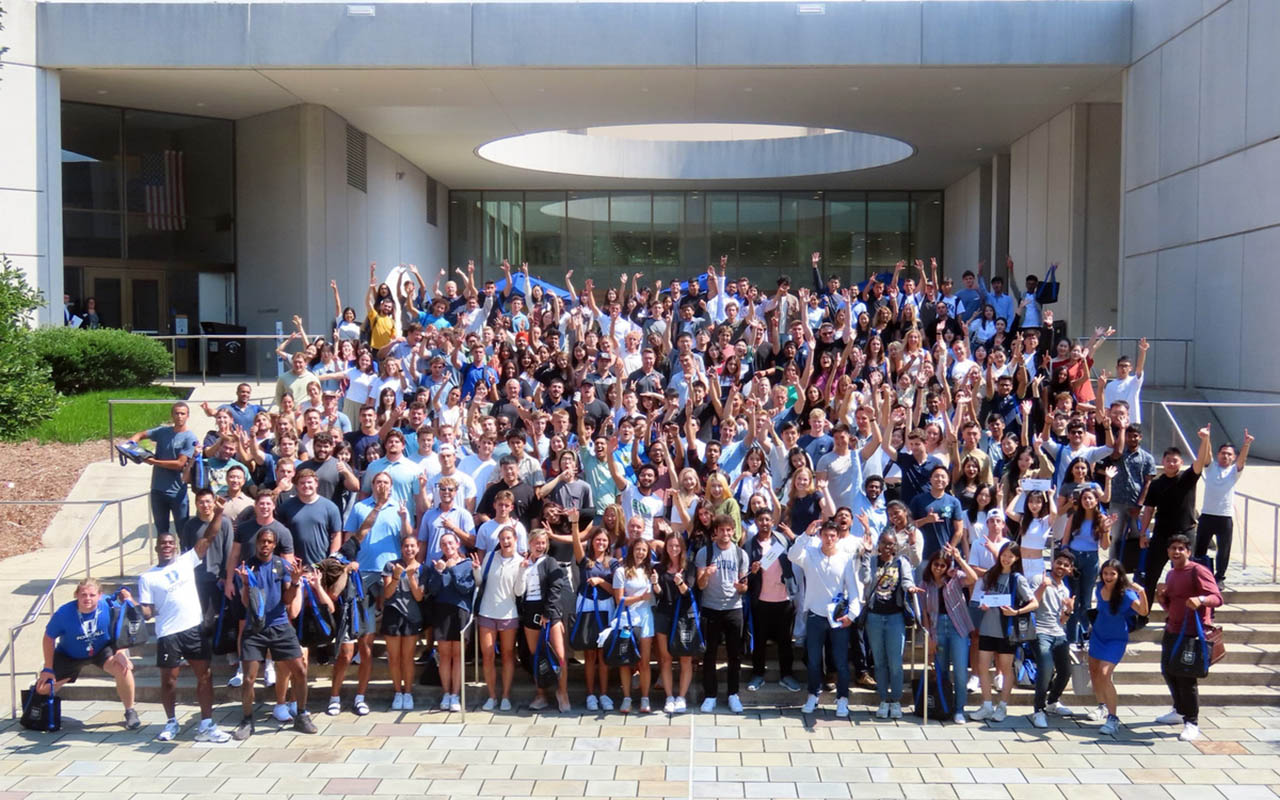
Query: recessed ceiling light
x,y
644,88
957,88
747,89
541,90
436,89
102,91
199,105
979,149
1066,88
853,88
336,89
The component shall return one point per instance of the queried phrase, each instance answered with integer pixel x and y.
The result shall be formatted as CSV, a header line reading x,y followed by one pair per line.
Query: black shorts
x,y
188,644
534,615
280,642
66,668
996,644
449,622
394,623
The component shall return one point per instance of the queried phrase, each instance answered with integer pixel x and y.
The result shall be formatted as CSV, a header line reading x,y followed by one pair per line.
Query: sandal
x,y
335,706
361,708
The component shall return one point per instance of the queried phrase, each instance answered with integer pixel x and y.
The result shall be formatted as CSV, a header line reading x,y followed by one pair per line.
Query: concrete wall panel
x,y
1176,199
1018,206
1219,295
774,33
1224,59
1141,220
1156,21
1037,198
962,203
1142,122
1259,367
1025,33
580,34
1138,282
1263,108
1180,102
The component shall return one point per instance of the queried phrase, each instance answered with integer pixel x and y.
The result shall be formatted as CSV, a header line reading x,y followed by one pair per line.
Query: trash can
x,y
225,356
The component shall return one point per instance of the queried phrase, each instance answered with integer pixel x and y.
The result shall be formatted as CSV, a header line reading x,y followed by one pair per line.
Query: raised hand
x,y
1248,439
1204,432
816,257
1143,344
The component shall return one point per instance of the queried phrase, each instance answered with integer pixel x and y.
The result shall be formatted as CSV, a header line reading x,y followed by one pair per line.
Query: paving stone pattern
x,y
765,754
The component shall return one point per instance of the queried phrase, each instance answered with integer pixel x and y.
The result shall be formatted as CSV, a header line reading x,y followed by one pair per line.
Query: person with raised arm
x,y
1218,509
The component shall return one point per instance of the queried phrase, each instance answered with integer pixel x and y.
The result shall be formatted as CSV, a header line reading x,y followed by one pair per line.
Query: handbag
x,y
546,665
587,626
41,712
225,629
1047,291
941,694
620,649
685,638
430,669
1217,644
1190,655
315,623
1021,628
360,608
128,627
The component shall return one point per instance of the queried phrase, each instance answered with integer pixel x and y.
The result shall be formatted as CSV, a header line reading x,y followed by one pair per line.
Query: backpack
x,y
128,627
255,617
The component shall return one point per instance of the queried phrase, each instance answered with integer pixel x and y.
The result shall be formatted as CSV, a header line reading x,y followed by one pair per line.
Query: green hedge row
x,y
82,360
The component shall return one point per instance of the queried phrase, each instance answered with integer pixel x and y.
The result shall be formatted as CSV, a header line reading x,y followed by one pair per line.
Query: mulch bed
x,y
31,471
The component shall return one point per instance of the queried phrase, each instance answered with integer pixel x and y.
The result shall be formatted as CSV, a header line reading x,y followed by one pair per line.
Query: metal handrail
x,y
462,665
47,597
1116,340
124,401
204,337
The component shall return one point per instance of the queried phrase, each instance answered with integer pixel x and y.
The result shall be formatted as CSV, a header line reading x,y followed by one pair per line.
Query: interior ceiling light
x,y
696,151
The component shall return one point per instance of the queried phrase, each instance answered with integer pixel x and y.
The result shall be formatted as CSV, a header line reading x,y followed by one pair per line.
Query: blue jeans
x,y
1053,669
953,654
888,634
817,633
163,505
1082,591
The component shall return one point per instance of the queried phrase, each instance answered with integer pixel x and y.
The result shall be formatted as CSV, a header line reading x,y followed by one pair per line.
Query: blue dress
x,y
1110,633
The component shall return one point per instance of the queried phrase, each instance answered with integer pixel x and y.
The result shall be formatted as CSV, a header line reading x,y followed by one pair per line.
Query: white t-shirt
x,y
1127,390
1219,490
466,486
171,589
981,557
647,507
844,475
487,536
358,385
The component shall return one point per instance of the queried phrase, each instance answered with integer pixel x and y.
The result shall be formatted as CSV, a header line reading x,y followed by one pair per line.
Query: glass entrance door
x,y
128,299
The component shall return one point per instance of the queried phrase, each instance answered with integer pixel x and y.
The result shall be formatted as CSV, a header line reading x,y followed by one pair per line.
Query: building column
x,y
31,169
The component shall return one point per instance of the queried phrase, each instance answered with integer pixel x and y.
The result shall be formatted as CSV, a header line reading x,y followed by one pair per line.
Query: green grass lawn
x,y
84,417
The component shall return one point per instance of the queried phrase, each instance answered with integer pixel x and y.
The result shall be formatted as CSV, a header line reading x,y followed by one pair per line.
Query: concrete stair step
x,y
1233,632
1252,613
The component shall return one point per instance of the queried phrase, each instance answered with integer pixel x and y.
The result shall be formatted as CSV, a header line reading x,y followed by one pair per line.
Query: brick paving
x,y
760,754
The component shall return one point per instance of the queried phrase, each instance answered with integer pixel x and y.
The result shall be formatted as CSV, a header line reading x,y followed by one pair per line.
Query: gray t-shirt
x,y
312,526
401,600
731,564
170,445
575,494
994,623
215,557
1049,614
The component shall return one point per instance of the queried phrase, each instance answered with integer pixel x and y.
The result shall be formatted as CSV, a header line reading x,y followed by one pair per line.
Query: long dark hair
x,y
992,577
1122,583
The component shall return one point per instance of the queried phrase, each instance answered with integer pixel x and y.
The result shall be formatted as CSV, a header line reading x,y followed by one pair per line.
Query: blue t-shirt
x,y
915,476
816,446
381,545
404,477
80,635
936,534
1109,625
242,419
271,576
169,446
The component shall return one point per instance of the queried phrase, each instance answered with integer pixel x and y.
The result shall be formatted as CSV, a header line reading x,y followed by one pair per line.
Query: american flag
x,y
162,182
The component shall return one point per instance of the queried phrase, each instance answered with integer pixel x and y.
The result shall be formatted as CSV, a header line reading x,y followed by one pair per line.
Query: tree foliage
x,y
27,396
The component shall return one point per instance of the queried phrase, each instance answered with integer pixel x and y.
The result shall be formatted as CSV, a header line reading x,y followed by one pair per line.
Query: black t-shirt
x,y
525,501
359,442
1174,500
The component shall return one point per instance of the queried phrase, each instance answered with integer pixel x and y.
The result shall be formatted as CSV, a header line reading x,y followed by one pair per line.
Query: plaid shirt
x,y
957,606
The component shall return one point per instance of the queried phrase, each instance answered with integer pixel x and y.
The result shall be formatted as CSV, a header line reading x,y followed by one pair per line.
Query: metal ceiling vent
x,y
357,160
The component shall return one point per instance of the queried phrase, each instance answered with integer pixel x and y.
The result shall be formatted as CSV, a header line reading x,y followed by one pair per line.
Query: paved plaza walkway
x,y
759,754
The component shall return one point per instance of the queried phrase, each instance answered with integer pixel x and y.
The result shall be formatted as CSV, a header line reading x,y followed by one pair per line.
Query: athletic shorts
x,y
188,644
66,668
279,642
996,644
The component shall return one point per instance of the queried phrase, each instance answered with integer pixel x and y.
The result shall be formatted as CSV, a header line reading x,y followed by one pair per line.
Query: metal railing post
x,y
1244,566
111,430
1275,542
120,534
88,548
204,361
13,675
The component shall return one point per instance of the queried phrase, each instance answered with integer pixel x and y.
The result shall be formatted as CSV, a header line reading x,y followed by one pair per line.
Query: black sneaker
x,y
303,724
131,721
244,730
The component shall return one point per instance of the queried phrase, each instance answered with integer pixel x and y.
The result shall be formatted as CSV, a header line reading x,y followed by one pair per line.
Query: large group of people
x,y
706,471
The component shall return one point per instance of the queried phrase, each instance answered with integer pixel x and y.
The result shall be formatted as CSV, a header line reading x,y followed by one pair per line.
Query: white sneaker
x,y
170,731
1190,731
444,702
281,713
1171,718
959,718
397,702
883,711
1110,726
895,711
1061,710
489,705
293,707
735,704
212,733
505,705
269,674
810,705
1099,714
709,706
842,708
1039,720
681,705
606,702
645,708
669,707
983,713
626,705
999,681
592,703
408,701
455,703
974,685
237,680
1000,712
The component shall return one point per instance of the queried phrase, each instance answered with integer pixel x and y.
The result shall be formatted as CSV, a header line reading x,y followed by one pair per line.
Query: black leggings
x,y
1185,691
715,626
1212,525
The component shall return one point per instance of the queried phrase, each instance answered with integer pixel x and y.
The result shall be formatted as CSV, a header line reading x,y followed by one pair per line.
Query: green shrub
x,y
27,397
82,360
